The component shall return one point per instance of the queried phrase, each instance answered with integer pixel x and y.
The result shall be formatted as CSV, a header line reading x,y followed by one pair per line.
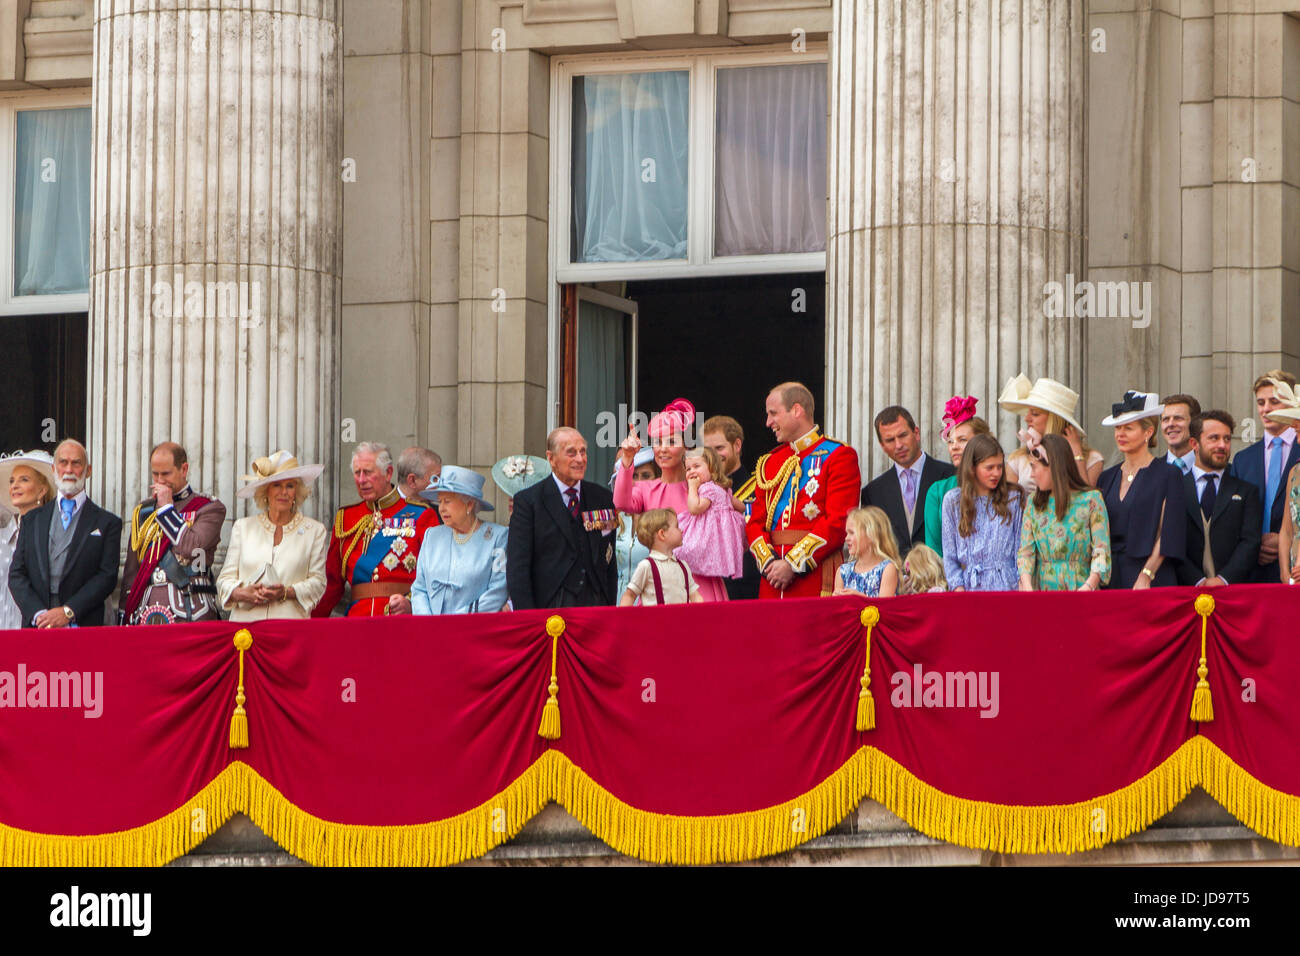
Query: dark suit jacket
x,y
885,492
1234,531
744,588
549,552
1249,466
89,576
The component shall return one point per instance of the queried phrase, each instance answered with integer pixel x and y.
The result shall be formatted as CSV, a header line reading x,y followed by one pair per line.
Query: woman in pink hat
x,y
668,438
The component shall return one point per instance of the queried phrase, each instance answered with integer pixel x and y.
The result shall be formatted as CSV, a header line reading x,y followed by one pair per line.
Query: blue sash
x,y
810,466
380,544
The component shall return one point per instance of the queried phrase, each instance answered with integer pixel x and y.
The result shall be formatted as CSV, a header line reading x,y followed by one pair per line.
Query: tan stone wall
x,y
1183,94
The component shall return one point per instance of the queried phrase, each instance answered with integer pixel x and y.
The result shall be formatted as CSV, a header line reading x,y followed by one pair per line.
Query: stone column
x,y
956,194
215,227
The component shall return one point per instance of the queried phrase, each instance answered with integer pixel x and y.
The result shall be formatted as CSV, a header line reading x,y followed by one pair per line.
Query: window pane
x,y
602,379
771,160
629,166
52,202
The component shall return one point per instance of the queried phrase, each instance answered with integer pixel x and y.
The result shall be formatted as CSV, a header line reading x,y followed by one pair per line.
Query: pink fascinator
x,y
677,416
957,411
1033,443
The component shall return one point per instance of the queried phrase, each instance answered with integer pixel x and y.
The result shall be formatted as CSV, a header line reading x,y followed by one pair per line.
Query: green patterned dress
x,y
1060,555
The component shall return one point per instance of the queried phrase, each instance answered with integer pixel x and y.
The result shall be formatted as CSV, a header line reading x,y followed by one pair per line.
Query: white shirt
x,y
1200,475
80,499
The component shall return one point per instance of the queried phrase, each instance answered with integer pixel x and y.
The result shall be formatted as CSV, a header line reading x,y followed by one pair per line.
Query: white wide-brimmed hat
x,y
278,466
1135,405
38,461
455,480
1046,395
1290,410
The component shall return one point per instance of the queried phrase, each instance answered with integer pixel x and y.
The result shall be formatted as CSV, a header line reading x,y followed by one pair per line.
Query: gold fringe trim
x,y
665,838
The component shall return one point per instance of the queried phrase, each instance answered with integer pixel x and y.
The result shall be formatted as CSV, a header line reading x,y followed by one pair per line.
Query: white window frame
x,y
10,107
701,166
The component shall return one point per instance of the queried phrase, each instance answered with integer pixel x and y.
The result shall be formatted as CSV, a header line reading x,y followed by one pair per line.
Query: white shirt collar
x,y
77,502
1198,472
1189,459
916,467
564,489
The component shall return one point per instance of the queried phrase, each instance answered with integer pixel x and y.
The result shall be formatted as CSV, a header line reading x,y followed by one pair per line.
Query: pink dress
x,y
638,497
712,543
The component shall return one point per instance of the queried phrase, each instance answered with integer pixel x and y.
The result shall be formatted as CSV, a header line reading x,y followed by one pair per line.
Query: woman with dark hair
x,y
1065,537
1144,499
981,521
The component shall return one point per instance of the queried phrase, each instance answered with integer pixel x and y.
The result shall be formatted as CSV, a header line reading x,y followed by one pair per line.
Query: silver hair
x,y
383,458
416,461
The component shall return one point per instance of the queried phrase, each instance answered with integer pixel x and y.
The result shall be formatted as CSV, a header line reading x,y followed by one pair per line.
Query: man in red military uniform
x,y
804,490
375,543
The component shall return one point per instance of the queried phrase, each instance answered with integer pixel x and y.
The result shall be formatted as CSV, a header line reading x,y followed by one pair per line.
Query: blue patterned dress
x,y
867,583
985,561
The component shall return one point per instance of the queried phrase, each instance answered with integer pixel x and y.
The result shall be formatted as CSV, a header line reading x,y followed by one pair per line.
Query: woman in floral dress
x,y
1065,536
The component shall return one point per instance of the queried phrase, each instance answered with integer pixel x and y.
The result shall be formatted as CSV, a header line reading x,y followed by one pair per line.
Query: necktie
x,y
66,505
1208,495
1182,466
572,495
1273,481
909,489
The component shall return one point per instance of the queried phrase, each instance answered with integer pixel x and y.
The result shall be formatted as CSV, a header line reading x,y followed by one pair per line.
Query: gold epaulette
x,y
746,491
143,536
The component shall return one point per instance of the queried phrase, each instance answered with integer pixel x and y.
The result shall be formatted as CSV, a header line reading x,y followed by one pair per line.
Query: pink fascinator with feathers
x,y
957,411
677,416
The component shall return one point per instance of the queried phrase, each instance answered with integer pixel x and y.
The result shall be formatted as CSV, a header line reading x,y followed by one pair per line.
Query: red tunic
x,y
804,491
374,545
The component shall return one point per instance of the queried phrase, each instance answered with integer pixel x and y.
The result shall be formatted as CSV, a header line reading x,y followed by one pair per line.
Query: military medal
x,y
159,577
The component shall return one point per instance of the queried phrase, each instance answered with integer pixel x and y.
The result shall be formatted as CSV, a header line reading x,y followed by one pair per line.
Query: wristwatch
x,y
68,611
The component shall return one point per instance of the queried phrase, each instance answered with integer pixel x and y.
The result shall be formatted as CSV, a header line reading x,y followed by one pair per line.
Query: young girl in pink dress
x,y
713,532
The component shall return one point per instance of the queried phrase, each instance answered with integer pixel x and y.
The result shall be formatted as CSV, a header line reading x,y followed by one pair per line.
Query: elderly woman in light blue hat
x,y
462,563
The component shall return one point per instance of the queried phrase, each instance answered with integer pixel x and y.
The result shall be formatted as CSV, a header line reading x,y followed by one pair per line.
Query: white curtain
x,y
602,379
630,156
52,202
770,185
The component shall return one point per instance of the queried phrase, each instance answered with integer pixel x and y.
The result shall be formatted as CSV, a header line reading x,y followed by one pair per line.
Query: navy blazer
x,y
886,492
1159,483
89,576
1234,531
1249,466
549,551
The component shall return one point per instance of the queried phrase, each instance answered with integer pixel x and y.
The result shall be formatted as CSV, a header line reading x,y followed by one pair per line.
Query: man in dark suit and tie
x,y
65,564
561,548
1266,465
1224,515
900,491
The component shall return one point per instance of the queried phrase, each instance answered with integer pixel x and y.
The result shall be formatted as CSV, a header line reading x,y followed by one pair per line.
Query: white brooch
x,y
390,561
399,546
811,487
810,511
517,466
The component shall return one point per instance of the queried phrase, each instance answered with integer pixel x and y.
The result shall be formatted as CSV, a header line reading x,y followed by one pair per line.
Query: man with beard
x,y
65,564
1224,513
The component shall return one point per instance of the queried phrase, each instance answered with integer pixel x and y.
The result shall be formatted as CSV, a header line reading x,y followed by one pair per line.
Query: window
x,y
45,209
679,166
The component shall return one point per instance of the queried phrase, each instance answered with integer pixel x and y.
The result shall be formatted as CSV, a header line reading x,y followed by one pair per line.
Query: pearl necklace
x,y
455,535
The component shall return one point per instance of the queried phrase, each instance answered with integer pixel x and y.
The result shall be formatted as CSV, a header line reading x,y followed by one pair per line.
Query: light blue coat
x,y
453,578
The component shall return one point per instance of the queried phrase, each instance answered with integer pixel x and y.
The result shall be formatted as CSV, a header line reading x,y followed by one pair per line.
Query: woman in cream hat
x,y
1288,541
26,482
1049,409
462,563
275,565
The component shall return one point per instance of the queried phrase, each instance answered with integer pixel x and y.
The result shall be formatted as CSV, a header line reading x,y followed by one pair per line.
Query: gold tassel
x,y
1202,705
550,728
870,617
239,721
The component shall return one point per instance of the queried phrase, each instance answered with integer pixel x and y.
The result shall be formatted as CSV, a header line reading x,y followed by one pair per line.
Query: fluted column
x,y
956,193
216,175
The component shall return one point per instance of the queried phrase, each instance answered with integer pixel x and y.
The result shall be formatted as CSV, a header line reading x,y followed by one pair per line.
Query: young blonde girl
x,y
713,532
873,572
923,571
